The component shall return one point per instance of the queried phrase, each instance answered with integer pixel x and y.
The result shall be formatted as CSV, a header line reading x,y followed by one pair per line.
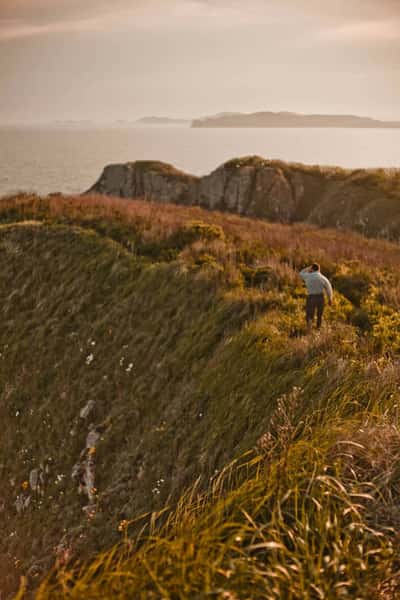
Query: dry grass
x,y
208,309
159,221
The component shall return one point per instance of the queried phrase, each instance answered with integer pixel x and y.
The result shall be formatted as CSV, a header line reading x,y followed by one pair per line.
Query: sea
x,y
69,160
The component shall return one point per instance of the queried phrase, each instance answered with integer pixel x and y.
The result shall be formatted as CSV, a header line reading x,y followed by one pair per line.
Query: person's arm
x,y
304,272
328,289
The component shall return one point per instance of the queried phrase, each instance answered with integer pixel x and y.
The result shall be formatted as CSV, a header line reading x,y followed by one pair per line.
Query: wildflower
x,y
129,368
25,485
86,410
89,359
123,525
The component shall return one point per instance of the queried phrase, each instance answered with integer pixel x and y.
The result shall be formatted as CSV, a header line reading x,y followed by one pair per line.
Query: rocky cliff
x,y
365,200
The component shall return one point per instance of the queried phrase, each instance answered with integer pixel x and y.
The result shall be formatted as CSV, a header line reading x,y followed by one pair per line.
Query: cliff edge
x,y
365,200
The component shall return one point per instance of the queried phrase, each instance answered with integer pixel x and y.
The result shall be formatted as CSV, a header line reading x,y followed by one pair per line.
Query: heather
x,y
235,456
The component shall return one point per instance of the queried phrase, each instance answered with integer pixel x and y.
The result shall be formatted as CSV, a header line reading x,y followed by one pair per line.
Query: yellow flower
x,y
123,525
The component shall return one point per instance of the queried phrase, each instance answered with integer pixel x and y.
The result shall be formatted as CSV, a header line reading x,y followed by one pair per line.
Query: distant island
x,y
264,119
72,123
162,121
289,119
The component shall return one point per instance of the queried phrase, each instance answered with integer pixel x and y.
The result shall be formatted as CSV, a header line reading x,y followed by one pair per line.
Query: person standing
x,y
317,285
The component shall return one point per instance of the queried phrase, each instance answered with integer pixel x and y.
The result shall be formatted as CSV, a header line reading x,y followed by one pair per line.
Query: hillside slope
x,y
367,201
144,347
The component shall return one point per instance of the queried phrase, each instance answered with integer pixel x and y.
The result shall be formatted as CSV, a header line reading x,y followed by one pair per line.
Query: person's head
x,y
315,267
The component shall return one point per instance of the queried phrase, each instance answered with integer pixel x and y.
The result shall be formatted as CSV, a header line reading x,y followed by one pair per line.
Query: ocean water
x,y
46,160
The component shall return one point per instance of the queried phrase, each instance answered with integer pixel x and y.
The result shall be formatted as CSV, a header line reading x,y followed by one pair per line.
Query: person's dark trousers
x,y
315,304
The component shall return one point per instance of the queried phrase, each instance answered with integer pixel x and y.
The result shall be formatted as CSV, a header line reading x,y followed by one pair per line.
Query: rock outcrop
x,y
145,179
365,200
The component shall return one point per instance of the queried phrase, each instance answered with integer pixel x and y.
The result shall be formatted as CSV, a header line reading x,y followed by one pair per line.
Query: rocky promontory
x,y
366,200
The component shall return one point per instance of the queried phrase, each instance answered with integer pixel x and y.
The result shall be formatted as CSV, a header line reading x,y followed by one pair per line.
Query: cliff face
x,y
365,200
152,180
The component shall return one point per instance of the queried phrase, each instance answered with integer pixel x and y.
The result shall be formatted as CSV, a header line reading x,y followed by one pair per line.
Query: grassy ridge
x,y
194,321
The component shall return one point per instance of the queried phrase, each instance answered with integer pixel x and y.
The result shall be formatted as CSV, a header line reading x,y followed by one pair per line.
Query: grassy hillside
x,y
144,348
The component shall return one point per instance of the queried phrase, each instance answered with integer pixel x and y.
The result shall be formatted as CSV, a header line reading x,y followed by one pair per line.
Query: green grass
x,y
238,458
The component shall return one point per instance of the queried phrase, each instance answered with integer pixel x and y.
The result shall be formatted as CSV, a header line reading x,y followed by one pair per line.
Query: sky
x,y
122,59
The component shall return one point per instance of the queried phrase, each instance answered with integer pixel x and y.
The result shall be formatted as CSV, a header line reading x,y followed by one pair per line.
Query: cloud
x,y
19,18
368,31
23,18
15,30
340,20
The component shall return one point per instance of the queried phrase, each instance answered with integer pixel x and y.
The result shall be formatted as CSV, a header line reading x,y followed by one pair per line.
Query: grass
x,y
237,457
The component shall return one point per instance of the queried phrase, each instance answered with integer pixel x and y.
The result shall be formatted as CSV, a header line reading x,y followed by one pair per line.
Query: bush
x,y
195,231
352,282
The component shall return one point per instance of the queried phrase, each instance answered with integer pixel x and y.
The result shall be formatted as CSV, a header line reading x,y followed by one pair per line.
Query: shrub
x,y
195,231
352,282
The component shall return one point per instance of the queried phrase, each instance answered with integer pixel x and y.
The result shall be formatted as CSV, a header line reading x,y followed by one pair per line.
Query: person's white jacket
x,y
316,283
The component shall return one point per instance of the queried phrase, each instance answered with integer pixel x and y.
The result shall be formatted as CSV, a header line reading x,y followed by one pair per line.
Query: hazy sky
x,y
121,59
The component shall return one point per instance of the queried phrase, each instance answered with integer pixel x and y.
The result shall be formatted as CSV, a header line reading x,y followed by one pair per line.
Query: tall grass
x,y
303,525
186,330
